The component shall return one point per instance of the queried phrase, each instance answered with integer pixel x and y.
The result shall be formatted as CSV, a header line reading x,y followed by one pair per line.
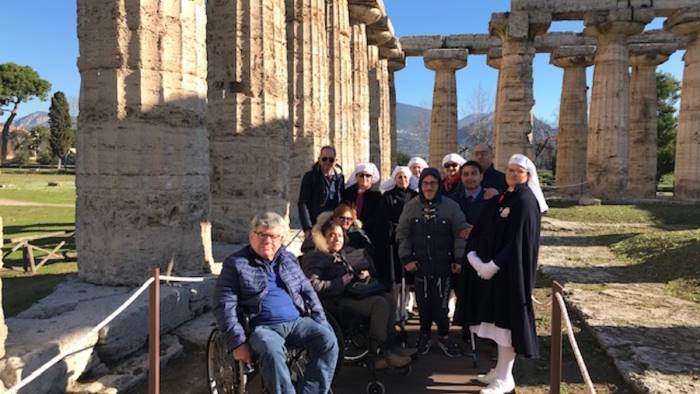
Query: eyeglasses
x,y
328,159
449,165
265,236
364,175
345,218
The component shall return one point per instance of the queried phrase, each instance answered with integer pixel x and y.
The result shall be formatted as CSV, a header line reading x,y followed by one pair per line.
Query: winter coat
x,y
370,210
507,232
314,195
242,285
393,202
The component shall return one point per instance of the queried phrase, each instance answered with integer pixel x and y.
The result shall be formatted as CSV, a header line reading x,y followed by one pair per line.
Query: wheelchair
x,y
354,348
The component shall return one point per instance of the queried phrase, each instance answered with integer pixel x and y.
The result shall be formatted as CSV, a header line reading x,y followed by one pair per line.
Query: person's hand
x,y
475,262
464,234
243,354
347,278
456,268
363,275
488,270
490,192
412,266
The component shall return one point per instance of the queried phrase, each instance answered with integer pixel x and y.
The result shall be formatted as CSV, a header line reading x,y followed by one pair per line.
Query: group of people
x,y
466,229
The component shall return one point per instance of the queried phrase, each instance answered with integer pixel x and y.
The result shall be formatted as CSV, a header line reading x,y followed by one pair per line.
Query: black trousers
x,y
432,296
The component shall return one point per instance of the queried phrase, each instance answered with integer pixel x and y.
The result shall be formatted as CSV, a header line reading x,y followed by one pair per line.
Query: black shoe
x,y
448,347
423,344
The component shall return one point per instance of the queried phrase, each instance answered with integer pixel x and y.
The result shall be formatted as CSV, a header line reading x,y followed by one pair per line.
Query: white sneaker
x,y
487,378
499,386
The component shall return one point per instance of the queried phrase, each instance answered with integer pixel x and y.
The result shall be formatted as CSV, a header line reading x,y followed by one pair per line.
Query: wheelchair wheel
x,y
297,361
341,341
375,387
223,374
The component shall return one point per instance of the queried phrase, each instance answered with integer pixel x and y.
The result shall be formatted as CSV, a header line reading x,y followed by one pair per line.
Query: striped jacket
x,y
242,285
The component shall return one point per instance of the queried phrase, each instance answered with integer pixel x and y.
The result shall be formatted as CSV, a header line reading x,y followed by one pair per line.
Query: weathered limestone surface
x,y
641,175
573,118
609,116
379,112
394,66
360,16
248,112
143,174
687,171
307,59
443,119
517,31
3,327
340,77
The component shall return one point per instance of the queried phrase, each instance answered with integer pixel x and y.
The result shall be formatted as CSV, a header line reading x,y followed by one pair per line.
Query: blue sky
x,y
42,34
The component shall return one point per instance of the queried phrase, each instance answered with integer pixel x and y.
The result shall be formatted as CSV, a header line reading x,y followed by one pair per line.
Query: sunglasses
x,y
328,159
450,165
364,175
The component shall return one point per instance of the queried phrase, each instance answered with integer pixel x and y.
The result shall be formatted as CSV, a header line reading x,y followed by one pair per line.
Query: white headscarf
x,y
363,168
453,158
417,160
533,181
391,182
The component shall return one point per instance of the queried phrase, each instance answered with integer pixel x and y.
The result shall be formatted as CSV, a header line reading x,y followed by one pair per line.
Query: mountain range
x,y
39,118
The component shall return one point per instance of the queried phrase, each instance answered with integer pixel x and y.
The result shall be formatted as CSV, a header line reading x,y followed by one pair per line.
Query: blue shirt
x,y
276,306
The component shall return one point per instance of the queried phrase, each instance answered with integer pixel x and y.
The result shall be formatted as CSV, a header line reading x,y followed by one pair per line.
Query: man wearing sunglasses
x,y
321,188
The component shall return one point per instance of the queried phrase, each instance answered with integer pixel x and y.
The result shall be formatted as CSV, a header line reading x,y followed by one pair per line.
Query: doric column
x,y
394,66
443,119
143,171
517,31
608,126
340,86
686,175
493,60
248,113
573,118
641,173
360,16
307,64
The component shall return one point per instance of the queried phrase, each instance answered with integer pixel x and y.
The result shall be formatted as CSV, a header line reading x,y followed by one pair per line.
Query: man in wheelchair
x,y
264,282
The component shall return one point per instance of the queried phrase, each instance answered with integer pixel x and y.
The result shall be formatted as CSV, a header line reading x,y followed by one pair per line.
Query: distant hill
x,y
413,128
39,118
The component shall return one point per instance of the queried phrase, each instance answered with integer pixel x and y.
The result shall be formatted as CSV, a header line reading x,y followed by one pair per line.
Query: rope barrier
x,y
74,348
567,186
574,345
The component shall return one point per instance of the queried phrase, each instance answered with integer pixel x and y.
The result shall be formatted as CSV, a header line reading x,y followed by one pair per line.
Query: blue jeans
x,y
268,343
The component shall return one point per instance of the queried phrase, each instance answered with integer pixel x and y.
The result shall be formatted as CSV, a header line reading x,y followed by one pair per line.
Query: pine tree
x,y
60,124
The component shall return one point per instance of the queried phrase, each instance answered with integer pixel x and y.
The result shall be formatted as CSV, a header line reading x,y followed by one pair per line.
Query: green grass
x,y
33,187
671,257
666,182
20,291
657,214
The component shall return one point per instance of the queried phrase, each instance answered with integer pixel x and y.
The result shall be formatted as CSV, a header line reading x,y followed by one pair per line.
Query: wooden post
x,y
154,335
556,342
28,255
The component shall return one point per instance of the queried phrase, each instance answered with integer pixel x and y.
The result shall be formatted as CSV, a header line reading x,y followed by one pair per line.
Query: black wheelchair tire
x,y
221,373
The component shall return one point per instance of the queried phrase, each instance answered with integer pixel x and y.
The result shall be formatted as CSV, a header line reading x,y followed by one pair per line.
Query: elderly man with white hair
x,y
264,282
502,253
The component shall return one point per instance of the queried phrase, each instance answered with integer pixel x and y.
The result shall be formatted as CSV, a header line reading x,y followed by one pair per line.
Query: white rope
x,y
574,345
567,186
532,297
73,347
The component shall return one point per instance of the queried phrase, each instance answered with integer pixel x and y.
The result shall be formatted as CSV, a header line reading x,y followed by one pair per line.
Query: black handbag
x,y
362,289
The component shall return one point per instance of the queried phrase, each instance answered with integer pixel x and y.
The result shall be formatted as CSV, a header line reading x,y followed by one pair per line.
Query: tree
x,y
60,126
30,145
668,90
482,104
18,84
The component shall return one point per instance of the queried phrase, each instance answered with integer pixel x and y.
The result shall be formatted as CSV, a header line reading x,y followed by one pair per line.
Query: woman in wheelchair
x,y
345,285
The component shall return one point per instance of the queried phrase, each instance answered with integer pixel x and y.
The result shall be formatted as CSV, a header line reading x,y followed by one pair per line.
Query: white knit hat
x,y
533,181
391,182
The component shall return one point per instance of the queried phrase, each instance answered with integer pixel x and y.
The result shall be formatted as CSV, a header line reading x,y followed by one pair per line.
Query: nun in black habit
x,y
502,252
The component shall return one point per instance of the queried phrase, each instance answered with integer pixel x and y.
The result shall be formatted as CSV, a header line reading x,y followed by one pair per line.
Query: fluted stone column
x,y
573,118
517,31
360,16
379,112
307,57
641,175
609,116
340,86
143,171
443,119
248,113
686,175
394,66
493,60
